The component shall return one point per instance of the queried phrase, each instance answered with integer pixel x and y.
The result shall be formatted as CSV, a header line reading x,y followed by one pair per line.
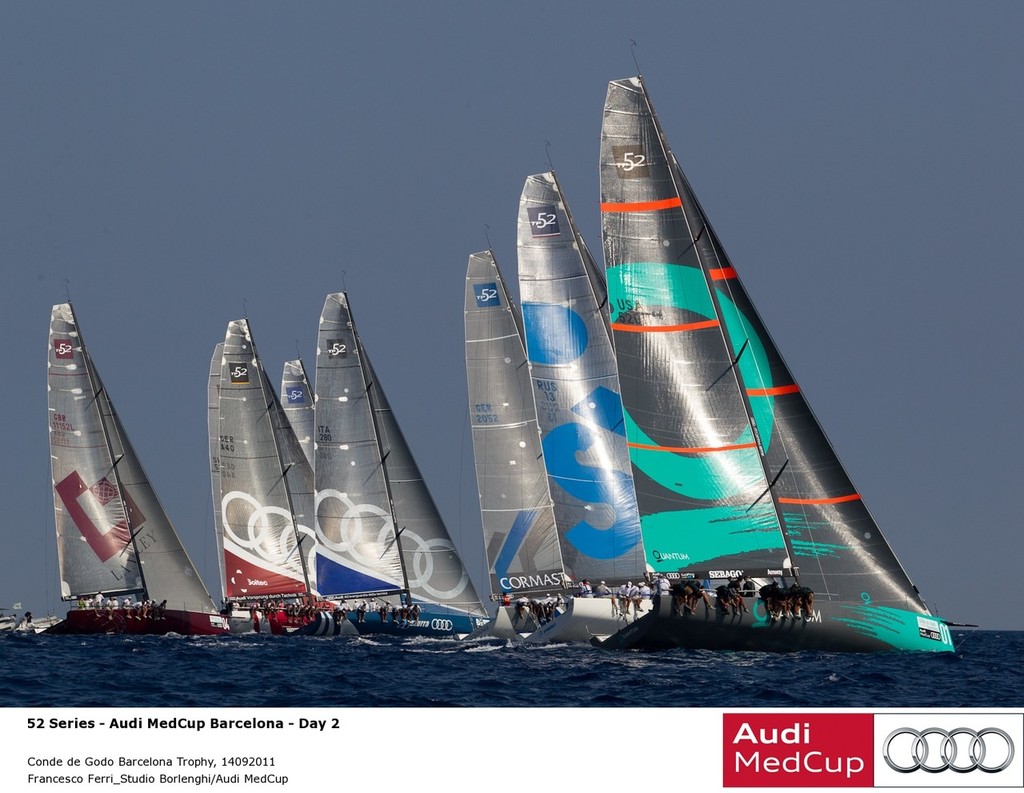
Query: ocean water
x,y
267,671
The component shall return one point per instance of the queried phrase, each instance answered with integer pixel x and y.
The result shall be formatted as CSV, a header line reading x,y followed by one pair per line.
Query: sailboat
x,y
379,536
263,493
518,519
579,409
114,540
733,474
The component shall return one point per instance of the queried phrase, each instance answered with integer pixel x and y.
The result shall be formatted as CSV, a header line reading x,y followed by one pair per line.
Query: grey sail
x,y
213,430
520,539
357,551
576,390
266,500
113,535
297,401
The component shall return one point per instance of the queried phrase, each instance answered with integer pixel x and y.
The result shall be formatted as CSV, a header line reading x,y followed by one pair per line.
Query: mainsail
x,y
297,401
377,526
520,539
576,390
732,470
113,535
266,492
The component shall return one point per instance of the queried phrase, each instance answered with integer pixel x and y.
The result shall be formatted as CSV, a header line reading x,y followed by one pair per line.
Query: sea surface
x,y
267,671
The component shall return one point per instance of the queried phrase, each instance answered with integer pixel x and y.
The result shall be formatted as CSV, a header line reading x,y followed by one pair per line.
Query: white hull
x,y
580,621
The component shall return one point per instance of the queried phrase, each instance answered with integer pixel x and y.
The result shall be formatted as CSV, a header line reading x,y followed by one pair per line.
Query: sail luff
x,y
520,538
576,391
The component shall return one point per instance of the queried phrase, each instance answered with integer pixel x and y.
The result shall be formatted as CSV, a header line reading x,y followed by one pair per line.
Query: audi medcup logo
x,y
949,750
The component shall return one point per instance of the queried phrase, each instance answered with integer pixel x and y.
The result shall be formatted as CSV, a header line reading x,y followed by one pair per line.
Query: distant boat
x,y
297,401
379,536
733,474
114,539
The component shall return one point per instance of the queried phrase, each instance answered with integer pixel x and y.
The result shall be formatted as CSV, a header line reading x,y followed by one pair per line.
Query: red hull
x,y
186,623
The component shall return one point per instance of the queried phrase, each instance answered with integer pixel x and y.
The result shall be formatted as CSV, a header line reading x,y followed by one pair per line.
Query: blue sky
x,y
175,166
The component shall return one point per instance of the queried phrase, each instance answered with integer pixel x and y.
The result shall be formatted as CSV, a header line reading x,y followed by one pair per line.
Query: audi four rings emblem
x,y
908,756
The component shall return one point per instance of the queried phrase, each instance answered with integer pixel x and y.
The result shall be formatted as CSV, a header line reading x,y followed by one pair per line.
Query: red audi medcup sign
x,y
797,750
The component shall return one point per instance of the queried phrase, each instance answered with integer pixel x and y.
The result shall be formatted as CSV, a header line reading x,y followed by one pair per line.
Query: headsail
x,y
434,570
266,489
297,401
518,518
576,389
113,535
732,469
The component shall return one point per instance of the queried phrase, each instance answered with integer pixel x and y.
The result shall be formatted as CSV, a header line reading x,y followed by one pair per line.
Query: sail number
x,y
484,414
323,432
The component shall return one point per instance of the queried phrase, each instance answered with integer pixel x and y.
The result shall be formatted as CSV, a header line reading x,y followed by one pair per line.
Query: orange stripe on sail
x,y
778,390
689,450
642,206
709,323
836,500
722,273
